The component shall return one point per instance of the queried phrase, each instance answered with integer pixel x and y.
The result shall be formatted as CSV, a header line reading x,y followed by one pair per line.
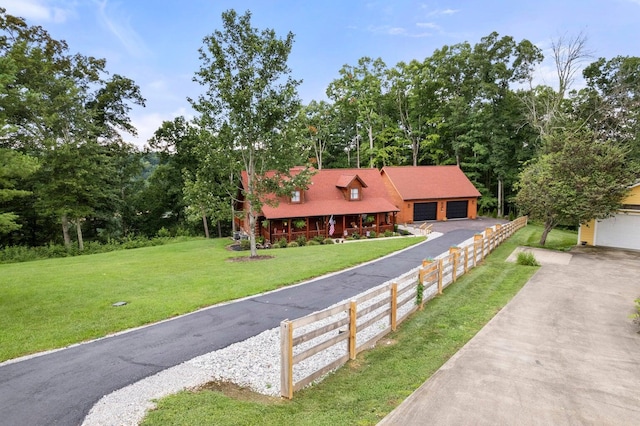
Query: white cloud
x,y
40,10
428,25
120,27
148,123
443,12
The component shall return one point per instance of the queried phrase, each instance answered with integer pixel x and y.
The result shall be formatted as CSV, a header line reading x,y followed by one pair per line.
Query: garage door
x,y
457,209
621,230
424,211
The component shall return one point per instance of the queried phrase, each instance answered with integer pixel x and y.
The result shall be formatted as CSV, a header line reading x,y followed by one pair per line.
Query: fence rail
x,y
350,327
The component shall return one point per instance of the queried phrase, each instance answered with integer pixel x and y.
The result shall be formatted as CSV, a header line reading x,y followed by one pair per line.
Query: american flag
x,y
331,225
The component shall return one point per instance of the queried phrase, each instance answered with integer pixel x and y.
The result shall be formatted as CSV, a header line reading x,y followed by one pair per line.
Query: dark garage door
x,y
424,211
456,209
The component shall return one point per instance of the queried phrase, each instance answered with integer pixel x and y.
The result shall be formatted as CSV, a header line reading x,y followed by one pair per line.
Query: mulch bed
x,y
248,258
236,247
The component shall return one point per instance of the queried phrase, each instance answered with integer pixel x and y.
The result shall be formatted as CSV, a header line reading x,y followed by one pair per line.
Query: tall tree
x,y
610,104
249,89
57,106
361,88
13,167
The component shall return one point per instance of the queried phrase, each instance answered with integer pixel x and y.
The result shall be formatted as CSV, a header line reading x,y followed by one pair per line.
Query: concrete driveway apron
x,y
563,352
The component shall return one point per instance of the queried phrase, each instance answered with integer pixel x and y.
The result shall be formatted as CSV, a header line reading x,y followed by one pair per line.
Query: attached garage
x,y
457,209
425,211
621,230
430,193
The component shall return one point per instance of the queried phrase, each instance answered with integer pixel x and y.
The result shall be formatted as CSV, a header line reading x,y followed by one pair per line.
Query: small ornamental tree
x,y
579,178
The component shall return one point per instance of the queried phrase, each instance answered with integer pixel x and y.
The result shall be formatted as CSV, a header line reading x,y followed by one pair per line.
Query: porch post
x,y
344,225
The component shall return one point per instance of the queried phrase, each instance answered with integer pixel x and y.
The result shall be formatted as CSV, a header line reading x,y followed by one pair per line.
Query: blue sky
x,y
155,42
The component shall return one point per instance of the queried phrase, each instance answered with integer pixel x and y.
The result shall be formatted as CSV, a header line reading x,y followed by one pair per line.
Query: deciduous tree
x,y
249,89
581,178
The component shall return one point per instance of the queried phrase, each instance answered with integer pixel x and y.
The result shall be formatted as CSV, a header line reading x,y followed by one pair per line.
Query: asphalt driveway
x,y
563,352
61,387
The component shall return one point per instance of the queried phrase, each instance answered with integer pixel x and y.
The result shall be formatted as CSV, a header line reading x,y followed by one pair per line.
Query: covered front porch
x,y
334,226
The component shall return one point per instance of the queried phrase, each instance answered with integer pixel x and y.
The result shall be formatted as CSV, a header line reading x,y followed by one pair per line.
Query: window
x,y
295,197
355,193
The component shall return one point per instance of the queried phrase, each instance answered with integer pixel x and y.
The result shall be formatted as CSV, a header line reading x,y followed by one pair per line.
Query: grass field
x,y
368,388
52,303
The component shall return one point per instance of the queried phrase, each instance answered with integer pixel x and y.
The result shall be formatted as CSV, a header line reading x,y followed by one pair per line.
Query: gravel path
x,y
253,363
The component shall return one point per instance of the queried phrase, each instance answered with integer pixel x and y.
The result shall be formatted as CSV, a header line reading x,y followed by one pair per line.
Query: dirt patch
x,y
234,391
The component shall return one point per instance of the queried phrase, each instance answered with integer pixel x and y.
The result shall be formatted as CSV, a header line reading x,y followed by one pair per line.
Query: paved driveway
x,y
563,352
61,387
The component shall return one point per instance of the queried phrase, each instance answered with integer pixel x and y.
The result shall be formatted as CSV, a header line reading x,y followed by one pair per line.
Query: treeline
x,y
69,175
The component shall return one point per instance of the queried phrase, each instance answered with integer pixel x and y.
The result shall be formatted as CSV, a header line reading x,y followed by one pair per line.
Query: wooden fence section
x,y
343,331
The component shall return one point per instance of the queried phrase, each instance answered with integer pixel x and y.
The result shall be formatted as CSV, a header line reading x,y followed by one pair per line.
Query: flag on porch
x,y
331,225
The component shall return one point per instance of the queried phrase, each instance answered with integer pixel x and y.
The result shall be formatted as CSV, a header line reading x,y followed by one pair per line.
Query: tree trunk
x,y
219,229
500,200
205,224
65,231
370,133
252,233
79,231
548,226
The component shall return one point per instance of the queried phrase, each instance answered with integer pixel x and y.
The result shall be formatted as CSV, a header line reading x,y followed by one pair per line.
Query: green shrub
x,y
283,242
372,234
163,232
293,244
319,239
355,236
245,244
527,258
388,233
328,241
14,254
313,243
301,240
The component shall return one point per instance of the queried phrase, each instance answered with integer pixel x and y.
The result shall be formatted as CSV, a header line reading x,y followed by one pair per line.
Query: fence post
x,y
440,267
466,259
394,306
499,233
455,252
353,328
489,233
286,359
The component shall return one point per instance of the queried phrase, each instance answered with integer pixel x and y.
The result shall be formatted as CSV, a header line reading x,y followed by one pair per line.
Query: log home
x,y
338,203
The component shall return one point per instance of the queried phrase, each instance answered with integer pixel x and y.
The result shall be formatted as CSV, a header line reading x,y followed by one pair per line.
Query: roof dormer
x,y
351,187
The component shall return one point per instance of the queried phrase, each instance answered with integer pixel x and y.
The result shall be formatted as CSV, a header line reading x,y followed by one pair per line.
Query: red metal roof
x,y
324,198
430,182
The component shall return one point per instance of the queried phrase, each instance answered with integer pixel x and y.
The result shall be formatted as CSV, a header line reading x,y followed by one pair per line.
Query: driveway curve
x,y
60,388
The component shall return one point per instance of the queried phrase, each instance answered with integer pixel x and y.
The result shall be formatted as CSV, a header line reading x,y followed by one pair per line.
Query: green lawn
x,y
52,303
365,390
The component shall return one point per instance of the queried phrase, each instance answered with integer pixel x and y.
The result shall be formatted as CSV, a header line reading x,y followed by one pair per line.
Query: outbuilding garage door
x,y
424,211
457,209
621,230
